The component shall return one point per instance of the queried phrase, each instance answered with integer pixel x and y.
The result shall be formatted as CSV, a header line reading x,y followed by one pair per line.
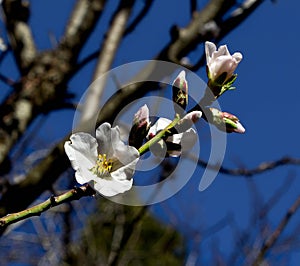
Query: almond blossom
x,y
104,162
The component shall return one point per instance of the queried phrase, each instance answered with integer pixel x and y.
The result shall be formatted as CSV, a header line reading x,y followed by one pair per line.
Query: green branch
x,y
159,136
73,194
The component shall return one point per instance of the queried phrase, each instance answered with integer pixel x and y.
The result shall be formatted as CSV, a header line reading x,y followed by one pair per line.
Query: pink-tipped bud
x,y
180,93
226,121
141,117
140,127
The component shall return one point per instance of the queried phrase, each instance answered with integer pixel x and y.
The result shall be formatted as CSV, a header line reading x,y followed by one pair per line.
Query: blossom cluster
x,y
108,164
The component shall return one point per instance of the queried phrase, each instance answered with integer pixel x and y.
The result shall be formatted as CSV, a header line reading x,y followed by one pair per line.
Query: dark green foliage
x,y
124,235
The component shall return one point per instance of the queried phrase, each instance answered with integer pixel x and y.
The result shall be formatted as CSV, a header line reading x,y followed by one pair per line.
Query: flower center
x,y
103,165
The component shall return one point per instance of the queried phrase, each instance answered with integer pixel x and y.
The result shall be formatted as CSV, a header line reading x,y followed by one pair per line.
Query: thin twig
x,y
261,168
193,7
73,194
139,17
269,243
237,16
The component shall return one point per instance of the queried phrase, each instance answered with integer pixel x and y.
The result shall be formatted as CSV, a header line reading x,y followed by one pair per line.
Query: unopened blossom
x,y
220,63
180,92
226,121
104,162
188,120
174,144
140,127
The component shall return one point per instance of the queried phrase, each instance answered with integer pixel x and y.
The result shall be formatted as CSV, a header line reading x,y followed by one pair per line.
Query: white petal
x,y
176,138
125,172
189,139
223,50
210,48
223,64
124,153
238,57
174,153
82,153
112,187
110,144
188,120
105,136
159,125
186,139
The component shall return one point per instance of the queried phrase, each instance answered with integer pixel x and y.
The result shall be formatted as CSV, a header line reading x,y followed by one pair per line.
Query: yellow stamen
x,y
103,165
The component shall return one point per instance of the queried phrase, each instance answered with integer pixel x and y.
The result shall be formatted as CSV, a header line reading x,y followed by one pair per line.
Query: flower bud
x,y
188,120
220,68
140,127
226,121
180,93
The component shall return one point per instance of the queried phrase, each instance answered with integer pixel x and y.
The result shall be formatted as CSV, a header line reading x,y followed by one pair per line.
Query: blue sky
x,y
266,101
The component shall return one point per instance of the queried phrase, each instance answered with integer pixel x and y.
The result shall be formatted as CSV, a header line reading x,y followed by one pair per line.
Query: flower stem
x,y
158,136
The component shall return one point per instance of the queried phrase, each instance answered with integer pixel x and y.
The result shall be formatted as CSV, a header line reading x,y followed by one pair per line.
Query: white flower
x,y
221,61
104,162
176,143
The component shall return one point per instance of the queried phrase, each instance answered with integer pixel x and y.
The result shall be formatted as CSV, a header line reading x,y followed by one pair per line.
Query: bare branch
x,y
81,23
185,40
269,243
44,86
238,16
139,17
278,194
263,167
17,13
106,57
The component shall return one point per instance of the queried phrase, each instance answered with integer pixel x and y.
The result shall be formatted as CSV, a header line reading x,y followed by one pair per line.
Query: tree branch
x,y
73,194
139,17
106,57
81,23
44,86
185,40
261,168
270,242
16,17
40,178
238,16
